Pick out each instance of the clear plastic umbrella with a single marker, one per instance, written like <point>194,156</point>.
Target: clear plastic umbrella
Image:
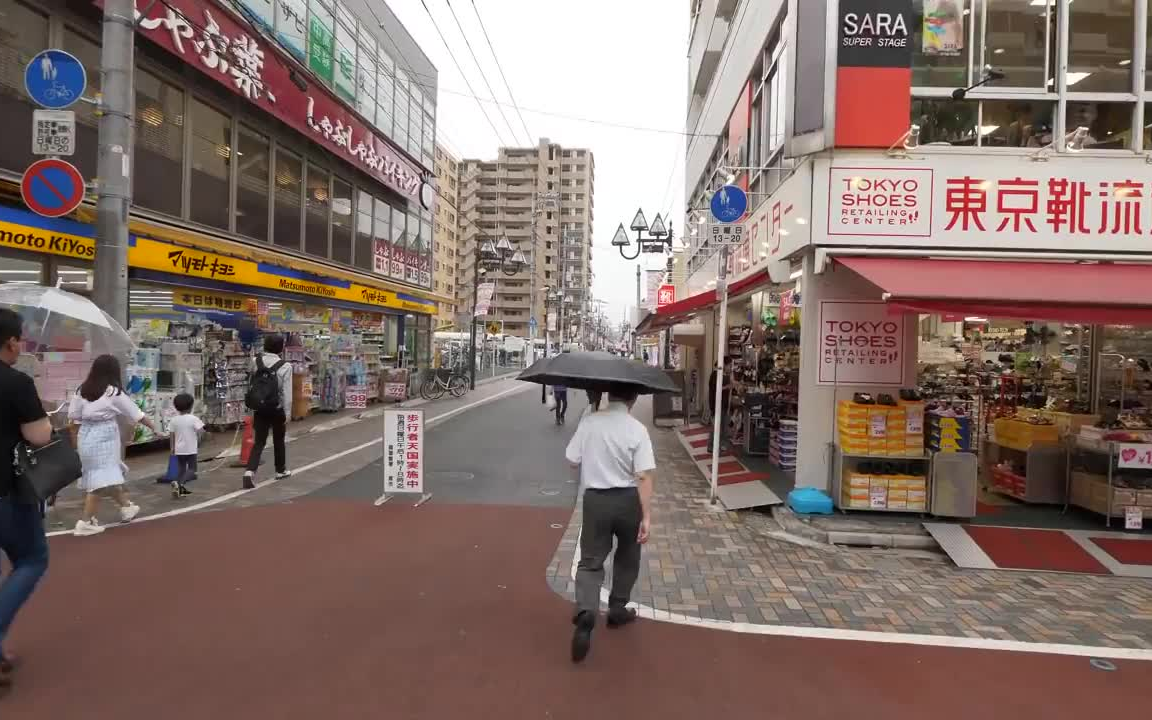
<point>59,321</point>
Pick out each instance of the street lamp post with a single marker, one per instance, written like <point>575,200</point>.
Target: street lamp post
<point>658,240</point>
<point>500,256</point>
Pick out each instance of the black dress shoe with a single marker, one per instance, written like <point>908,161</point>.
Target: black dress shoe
<point>619,617</point>
<point>582,636</point>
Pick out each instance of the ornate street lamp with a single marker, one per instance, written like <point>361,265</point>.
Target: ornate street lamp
<point>500,256</point>
<point>658,240</point>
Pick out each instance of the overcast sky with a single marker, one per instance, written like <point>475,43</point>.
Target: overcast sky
<point>612,61</point>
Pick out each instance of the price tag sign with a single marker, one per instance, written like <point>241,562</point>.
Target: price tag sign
<point>878,426</point>
<point>395,391</point>
<point>53,132</point>
<point>915,424</point>
<point>1133,518</point>
<point>355,397</point>
<point>878,497</point>
<point>1135,457</point>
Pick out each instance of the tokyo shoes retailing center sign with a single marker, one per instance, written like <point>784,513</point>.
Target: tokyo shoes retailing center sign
<point>1014,203</point>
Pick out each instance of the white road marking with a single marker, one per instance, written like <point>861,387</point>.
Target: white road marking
<point>875,636</point>
<point>429,424</point>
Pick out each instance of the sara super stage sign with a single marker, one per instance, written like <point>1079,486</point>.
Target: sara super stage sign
<point>964,202</point>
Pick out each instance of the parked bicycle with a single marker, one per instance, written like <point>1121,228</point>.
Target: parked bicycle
<point>434,387</point>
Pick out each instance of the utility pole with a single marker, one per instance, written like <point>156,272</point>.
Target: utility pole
<point>721,349</point>
<point>113,188</point>
<point>635,337</point>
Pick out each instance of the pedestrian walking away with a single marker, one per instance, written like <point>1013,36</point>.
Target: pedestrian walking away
<point>617,472</point>
<point>22,539</point>
<point>98,409</point>
<point>185,429</point>
<point>270,399</point>
<point>560,393</point>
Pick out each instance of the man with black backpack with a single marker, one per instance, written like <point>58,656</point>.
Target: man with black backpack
<point>269,398</point>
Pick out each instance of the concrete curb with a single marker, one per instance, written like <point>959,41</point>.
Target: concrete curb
<point>795,526</point>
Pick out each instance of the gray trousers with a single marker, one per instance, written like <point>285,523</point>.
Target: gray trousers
<point>608,514</point>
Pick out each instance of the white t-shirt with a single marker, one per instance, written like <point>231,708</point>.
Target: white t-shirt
<point>611,447</point>
<point>185,429</point>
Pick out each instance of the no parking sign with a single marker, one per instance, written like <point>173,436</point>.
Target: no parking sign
<point>52,187</point>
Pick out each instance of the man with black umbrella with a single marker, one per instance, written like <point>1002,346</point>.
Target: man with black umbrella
<point>617,471</point>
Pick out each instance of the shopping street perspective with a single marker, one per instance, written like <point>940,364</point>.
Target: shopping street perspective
<point>902,288</point>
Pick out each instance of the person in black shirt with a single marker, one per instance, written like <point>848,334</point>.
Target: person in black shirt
<point>22,538</point>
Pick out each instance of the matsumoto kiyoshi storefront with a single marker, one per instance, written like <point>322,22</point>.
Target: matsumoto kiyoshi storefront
<point>981,332</point>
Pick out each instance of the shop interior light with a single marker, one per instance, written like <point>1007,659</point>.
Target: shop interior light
<point>796,274</point>
<point>1075,77</point>
<point>21,272</point>
<point>801,221</point>
<point>988,129</point>
<point>1124,63</point>
<point>153,116</point>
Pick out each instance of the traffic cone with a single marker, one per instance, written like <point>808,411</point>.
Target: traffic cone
<point>247,440</point>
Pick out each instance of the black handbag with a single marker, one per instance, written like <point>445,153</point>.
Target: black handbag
<point>42,472</point>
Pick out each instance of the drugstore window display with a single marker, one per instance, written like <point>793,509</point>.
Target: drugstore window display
<point>763,342</point>
<point>200,342</point>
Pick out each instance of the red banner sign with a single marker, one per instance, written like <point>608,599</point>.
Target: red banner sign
<point>666,295</point>
<point>211,39</point>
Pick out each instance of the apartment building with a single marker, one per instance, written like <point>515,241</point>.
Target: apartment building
<point>540,199</point>
<point>446,236</point>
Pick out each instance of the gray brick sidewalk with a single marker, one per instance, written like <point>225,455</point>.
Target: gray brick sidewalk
<point>711,564</point>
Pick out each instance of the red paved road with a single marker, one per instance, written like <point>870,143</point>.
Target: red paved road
<point>337,610</point>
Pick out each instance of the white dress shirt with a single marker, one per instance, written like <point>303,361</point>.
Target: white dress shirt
<point>612,448</point>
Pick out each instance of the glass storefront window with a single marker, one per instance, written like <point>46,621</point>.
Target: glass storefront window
<point>21,268</point>
<point>252,190</point>
<point>317,204</point>
<point>286,227</point>
<point>1100,45</point>
<point>87,121</point>
<point>23,33</point>
<point>1016,123</point>
<point>381,233</point>
<point>363,247</point>
<point>211,163</point>
<point>384,86</point>
<point>158,162</point>
<point>341,221</point>
<point>399,228</point>
<point>1109,124</point>
<point>74,278</point>
<point>940,46</point>
<point>1019,39</point>
<point>945,122</point>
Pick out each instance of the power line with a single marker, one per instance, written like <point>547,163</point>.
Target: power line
<point>507,86</point>
<point>483,75</point>
<point>461,71</point>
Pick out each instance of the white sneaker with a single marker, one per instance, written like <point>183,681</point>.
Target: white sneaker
<point>129,512</point>
<point>284,475</point>
<point>87,527</point>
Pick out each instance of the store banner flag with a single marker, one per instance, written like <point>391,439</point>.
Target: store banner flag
<point>652,280</point>
<point>396,263</point>
<point>861,343</point>
<point>484,298</point>
<point>552,324</point>
<point>943,30</point>
<point>874,72</point>
<point>403,451</point>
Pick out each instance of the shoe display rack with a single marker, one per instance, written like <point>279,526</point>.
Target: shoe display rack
<point>878,462</point>
<point>227,370</point>
<point>782,450</point>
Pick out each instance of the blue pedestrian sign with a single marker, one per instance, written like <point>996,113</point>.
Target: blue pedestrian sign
<point>729,204</point>
<point>55,79</point>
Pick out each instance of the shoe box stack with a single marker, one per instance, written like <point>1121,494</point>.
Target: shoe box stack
<point>884,486</point>
<point>880,430</point>
<point>1020,434</point>
<point>949,432</point>
<point>782,447</point>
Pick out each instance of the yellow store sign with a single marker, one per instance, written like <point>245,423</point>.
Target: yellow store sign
<point>70,239</point>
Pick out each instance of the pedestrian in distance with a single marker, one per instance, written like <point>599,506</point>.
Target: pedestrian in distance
<point>22,538</point>
<point>560,394</point>
<point>97,409</point>
<point>617,471</point>
<point>269,398</point>
<point>185,430</point>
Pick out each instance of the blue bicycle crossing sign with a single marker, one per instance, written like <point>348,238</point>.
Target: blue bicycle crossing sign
<point>55,79</point>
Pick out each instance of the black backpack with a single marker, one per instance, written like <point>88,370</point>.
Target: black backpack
<point>264,392</point>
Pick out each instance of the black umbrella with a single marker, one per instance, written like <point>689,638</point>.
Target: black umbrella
<point>597,371</point>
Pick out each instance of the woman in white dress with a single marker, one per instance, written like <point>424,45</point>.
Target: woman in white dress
<point>98,408</point>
